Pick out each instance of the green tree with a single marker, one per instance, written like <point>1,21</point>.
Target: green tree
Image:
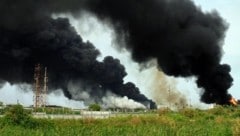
<point>94,107</point>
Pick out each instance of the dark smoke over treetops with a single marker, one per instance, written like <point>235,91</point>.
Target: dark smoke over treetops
<point>184,40</point>
<point>54,43</point>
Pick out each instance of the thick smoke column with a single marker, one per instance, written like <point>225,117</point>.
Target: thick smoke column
<point>28,35</point>
<point>184,40</point>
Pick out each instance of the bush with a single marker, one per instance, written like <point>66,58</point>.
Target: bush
<point>94,107</point>
<point>16,115</point>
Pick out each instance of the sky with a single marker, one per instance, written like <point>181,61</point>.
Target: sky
<point>102,36</point>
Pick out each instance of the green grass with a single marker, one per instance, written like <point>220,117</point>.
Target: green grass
<point>220,121</point>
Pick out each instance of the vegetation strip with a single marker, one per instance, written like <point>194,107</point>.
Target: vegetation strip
<point>219,121</point>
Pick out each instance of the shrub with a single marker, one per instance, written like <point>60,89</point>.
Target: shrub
<point>94,107</point>
<point>16,115</point>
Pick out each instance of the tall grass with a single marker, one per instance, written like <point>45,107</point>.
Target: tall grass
<point>221,121</point>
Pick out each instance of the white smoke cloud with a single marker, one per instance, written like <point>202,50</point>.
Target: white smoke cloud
<point>113,101</point>
<point>57,98</point>
<point>77,92</point>
<point>23,94</point>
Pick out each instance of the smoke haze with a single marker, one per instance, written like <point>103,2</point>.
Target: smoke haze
<point>163,90</point>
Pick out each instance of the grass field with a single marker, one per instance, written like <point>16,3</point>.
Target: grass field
<point>219,121</point>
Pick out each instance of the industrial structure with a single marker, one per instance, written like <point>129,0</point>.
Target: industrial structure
<point>40,87</point>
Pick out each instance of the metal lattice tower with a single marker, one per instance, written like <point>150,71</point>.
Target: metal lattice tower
<point>40,87</point>
<point>45,88</point>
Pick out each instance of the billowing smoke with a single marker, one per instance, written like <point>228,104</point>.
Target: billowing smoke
<point>112,101</point>
<point>184,40</point>
<point>164,91</point>
<point>28,35</point>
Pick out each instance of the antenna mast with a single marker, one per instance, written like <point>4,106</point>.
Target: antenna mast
<point>40,87</point>
<point>45,88</point>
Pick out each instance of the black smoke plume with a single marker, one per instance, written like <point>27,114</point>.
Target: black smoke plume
<point>184,40</point>
<point>28,35</point>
